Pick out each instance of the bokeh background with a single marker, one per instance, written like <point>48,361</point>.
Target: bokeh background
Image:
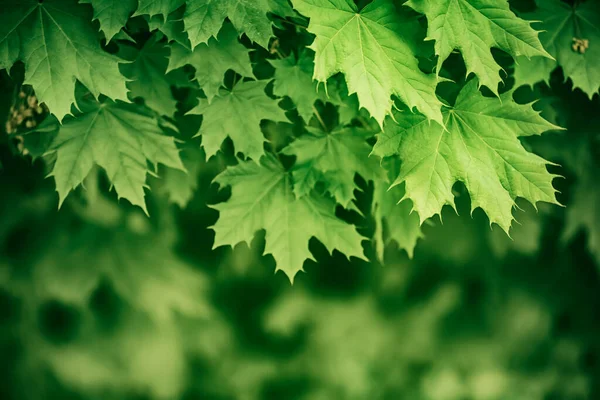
<point>100,302</point>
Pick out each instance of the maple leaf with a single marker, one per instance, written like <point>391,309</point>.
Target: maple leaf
<point>203,18</point>
<point>293,78</point>
<point>262,198</point>
<point>333,159</point>
<point>147,73</point>
<point>112,14</point>
<point>562,24</point>
<point>480,148</point>
<point>531,71</point>
<point>394,221</point>
<point>118,137</point>
<point>157,7</point>
<point>212,60</point>
<point>347,105</point>
<point>237,114</point>
<point>473,27</point>
<point>370,49</point>
<point>58,45</point>
<point>171,27</point>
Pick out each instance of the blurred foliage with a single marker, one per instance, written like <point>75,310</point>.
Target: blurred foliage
<point>97,301</point>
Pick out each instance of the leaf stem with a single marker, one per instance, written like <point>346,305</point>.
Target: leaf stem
<point>235,81</point>
<point>363,122</point>
<point>287,21</point>
<point>318,115</point>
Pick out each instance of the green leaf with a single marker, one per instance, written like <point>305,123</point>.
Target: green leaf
<point>347,105</point>
<point>147,73</point>
<point>112,14</point>
<point>58,44</point>
<point>172,28</point>
<point>119,137</point>
<point>370,49</point>
<point>394,221</point>
<point>262,198</point>
<point>479,148</point>
<point>237,114</point>
<point>179,186</point>
<point>293,78</point>
<point>473,27</point>
<point>157,7</point>
<point>531,71</point>
<point>333,159</point>
<point>212,60</point>
<point>561,23</point>
<point>203,18</point>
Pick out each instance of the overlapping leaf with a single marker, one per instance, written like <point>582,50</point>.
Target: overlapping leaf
<point>112,14</point>
<point>158,7</point>
<point>237,114</point>
<point>293,78</point>
<point>370,47</point>
<point>562,25</point>
<point>474,27</point>
<point>121,138</point>
<point>262,198</point>
<point>147,73</point>
<point>58,45</point>
<point>212,60</point>
<point>394,220</point>
<point>480,148</point>
<point>203,18</point>
<point>333,159</point>
<point>177,185</point>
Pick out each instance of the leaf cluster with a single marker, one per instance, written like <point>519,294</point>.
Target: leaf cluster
<point>304,100</point>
